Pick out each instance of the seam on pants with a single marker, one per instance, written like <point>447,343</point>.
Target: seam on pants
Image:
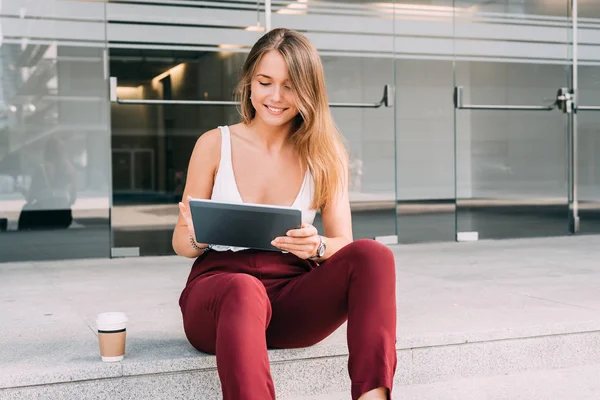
<point>257,268</point>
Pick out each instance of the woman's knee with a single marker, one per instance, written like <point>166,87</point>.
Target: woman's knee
<point>371,255</point>
<point>231,302</point>
<point>244,291</point>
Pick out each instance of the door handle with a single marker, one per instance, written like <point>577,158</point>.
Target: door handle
<point>387,100</point>
<point>588,108</point>
<point>459,104</point>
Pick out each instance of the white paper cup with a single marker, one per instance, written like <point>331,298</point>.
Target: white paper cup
<point>112,335</point>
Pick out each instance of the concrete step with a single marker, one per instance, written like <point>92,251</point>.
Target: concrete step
<point>317,370</point>
<point>580,383</point>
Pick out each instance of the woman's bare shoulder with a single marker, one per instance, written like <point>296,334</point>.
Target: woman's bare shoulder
<point>209,140</point>
<point>207,151</point>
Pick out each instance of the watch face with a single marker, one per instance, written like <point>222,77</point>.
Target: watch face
<point>321,249</point>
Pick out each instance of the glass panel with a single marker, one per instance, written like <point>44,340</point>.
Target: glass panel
<point>54,135</point>
<point>355,41</point>
<point>511,166</point>
<point>122,174</point>
<point>198,59</point>
<point>588,122</point>
<point>143,170</point>
<point>425,121</point>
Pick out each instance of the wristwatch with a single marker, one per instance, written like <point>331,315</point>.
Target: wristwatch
<point>320,250</point>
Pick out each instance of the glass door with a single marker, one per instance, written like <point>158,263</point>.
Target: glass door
<point>515,126</point>
<point>174,69</point>
<point>424,121</point>
<point>356,44</point>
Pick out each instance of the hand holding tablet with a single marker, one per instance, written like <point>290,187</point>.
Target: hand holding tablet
<point>304,242</point>
<point>252,226</point>
<point>187,217</point>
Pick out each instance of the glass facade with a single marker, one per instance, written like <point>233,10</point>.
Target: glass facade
<point>55,180</point>
<point>449,109</point>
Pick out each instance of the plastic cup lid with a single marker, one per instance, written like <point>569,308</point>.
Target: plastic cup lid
<point>111,318</point>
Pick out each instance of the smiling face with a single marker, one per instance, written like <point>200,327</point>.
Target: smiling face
<point>271,91</point>
<point>282,84</point>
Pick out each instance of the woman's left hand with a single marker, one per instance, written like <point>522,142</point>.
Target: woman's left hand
<point>302,242</point>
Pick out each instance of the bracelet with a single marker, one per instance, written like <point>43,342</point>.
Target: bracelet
<point>196,247</point>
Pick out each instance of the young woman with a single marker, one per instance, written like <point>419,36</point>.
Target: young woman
<point>238,302</point>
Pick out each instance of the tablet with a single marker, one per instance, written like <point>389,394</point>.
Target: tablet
<point>241,224</point>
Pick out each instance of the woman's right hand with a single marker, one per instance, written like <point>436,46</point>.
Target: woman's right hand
<point>187,216</point>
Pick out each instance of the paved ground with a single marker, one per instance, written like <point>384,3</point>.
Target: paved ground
<point>447,293</point>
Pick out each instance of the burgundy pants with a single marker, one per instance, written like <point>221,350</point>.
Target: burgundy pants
<point>238,304</point>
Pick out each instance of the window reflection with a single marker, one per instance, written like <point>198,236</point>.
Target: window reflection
<point>54,147</point>
<point>51,192</point>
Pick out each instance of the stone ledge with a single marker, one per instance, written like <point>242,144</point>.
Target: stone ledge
<point>328,374</point>
<point>417,364</point>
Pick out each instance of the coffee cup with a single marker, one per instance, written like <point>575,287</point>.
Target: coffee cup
<point>112,335</point>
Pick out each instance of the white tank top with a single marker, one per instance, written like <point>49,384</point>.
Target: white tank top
<point>225,187</point>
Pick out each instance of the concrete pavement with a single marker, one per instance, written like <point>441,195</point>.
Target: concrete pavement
<point>465,311</point>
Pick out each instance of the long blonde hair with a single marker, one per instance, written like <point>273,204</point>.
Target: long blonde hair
<point>314,133</point>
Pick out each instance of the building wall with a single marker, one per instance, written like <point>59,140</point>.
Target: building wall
<point>57,55</point>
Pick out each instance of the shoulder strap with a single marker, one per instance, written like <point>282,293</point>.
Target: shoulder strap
<point>225,146</point>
